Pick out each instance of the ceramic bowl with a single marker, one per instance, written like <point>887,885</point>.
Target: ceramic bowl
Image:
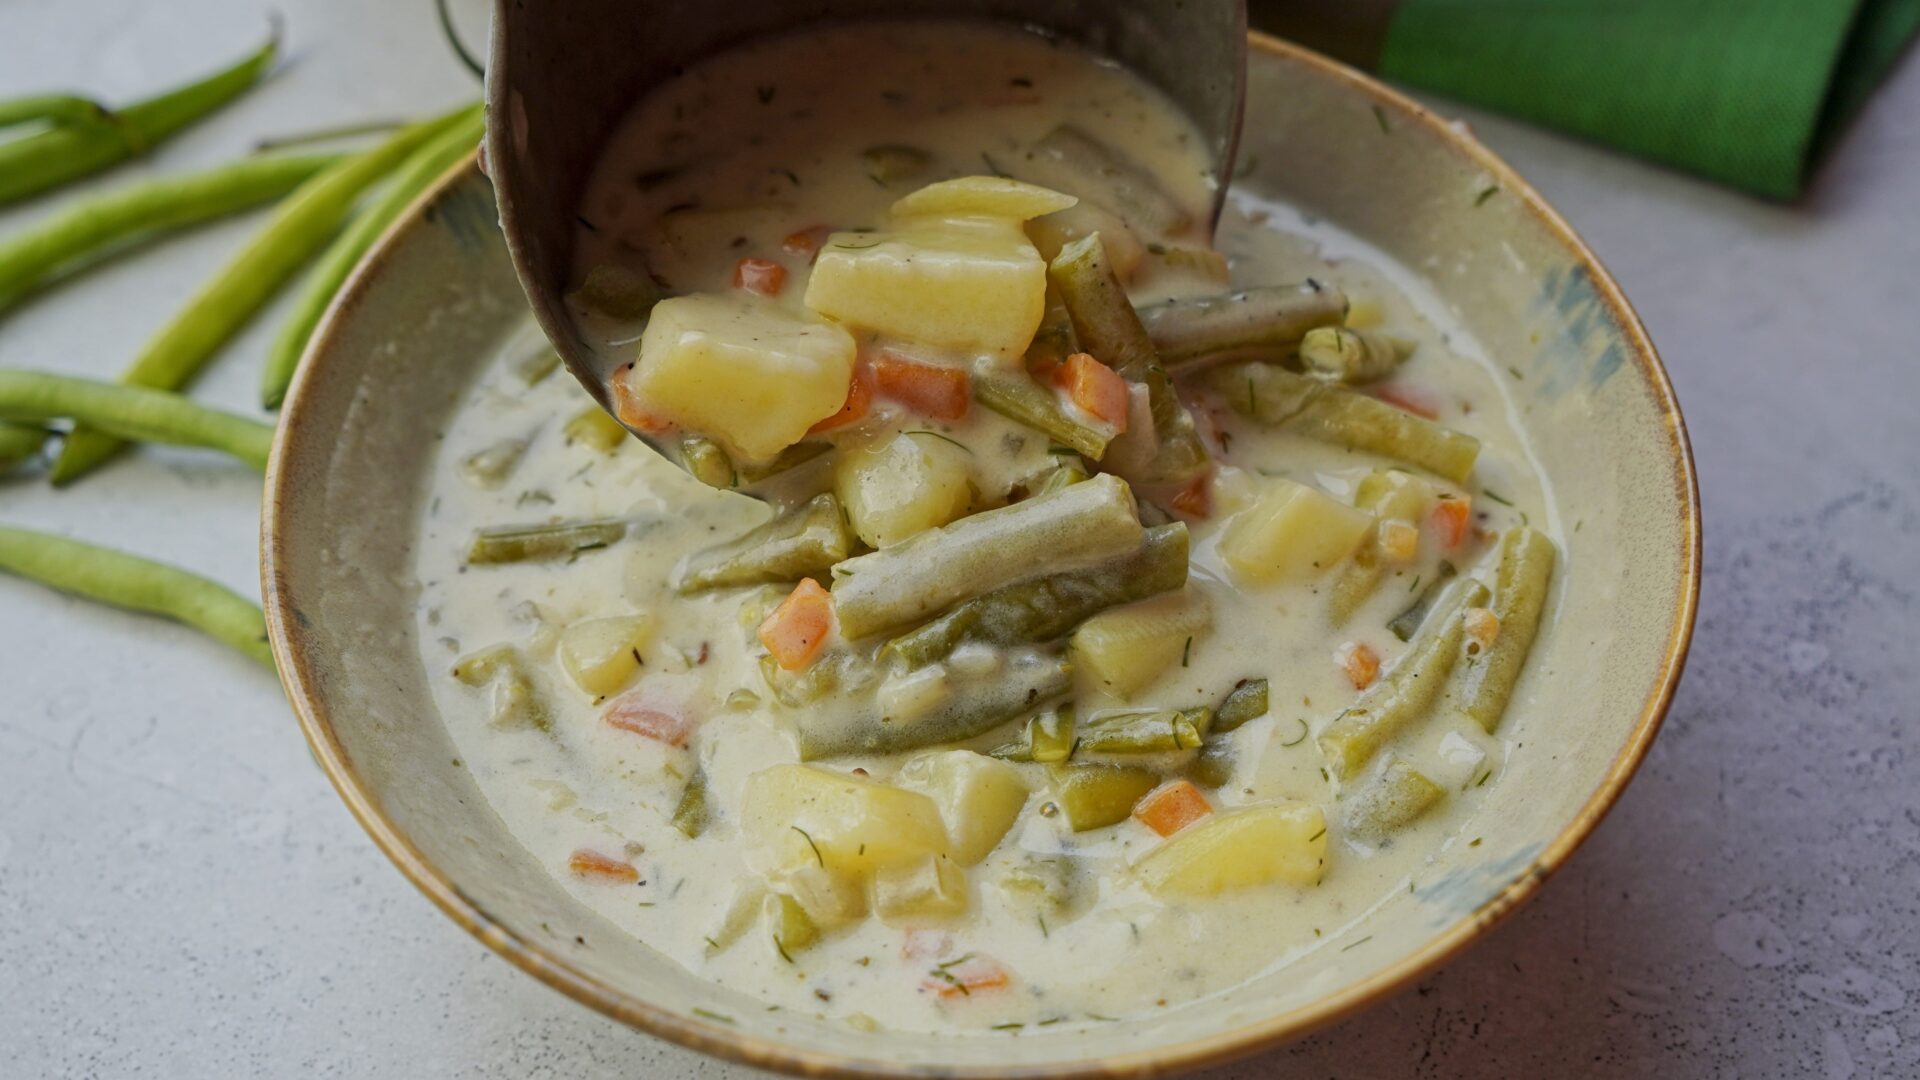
<point>345,491</point>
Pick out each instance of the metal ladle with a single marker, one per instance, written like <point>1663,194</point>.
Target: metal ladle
<point>564,72</point>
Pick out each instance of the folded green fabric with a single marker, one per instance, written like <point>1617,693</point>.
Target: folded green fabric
<point>1747,92</point>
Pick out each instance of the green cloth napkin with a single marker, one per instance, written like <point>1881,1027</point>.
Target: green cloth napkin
<point>1747,92</point>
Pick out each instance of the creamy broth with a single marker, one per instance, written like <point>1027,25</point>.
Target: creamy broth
<point>737,155</point>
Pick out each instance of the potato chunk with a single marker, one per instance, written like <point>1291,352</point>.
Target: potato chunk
<point>850,824</point>
<point>1255,846</point>
<point>1128,647</point>
<point>751,375</point>
<point>600,655</point>
<point>979,798</point>
<point>930,887</point>
<point>1291,531</point>
<point>913,482</point>
<point>981,289</point>
<point>980,196</point>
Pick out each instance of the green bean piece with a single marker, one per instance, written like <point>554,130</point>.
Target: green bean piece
<point>132,412</point>
<point>1043,881</point>
<point>618,292</point>
<point>1047,608</point>
<point>33,163</point>
<point>923,576</point>
<point>517,703</point>
<point>1070,160</point>
<point>1050,735</point>
<point>893,162</point>
<point>331,133</point>
<point>1520,594</point>
<point>1407,623</point>
<point>56,109</point>
<point>1213,765</point>
<point>18,442</point>
<point>300,226</point>
<point>534,367</point>
<point>490,466</point>
<point>1405,693</point>
<point>1397,797</point>
<point>1335,414</point>
<point>1271,319</point>
<point>979,706</point>
<point>537,543</point>
<point>425,164</point>
<point>806,540</point>
<point>1388,494</point>
<point>1019,398</point>
<point>1106,326</point>
<point>707,462</point>
<point>128,581</point>
<point>1053,341</point>
<point>1145,731</point>
<point>1352,356</point>
<point>1070,471</point>
<point>838,672</point>
<point>691,814</point>
<point>1247,700</point>
<point>91,229</point>
<point>595,427</point>
<point>1095,796</point>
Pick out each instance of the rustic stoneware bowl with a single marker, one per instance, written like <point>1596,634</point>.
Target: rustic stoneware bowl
<point>358,437</point>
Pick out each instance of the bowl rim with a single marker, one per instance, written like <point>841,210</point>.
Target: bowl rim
<point>725,1042</point>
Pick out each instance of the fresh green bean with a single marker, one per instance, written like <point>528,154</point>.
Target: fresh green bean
<point>1398,796</point>
<point>300,226</point>
<point>936,569</point>
<point>1520,594</point>
<point>692,813</point>
<point>1095,796</point>
<point>1352,356</point>
<point>1335,414</point>
<point>1145,731</point>
<point>55,109</point>
<point>89,230</point>
<point>45,159</point>
<point>1270,319</point>
<point>1047,608</point>
<point>1024,684</point>
<point>1248,700</point>
<point>1403,694</point>
<point>327,134</point>
<point>1024,401</point>
<point>18,442</point>
<point>808,539</point>
<point>534,543</point>
<point>132,412</point>
<point>127,581</point>
<point>1407,623</point>
<point>422,167</point>
<point>1070,160</point>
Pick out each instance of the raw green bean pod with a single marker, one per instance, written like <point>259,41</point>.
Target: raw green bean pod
<point>91,229</point>
<point>1271,319</point>
<point>127,581</point>
<point>1407,623</point>
<point>1352,356</point>
<point>45,159</point>
<point>132,412</point>
<point>56,109</point>
<point>18,442</point>
<point>535,543</point>
<point>1335,414</point>
<point>300,226</point>
<point>1486,681</point>
<point>805,540</point>
<point>421,168</point>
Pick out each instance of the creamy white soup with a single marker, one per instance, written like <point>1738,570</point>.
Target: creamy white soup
<point>1023,610</point>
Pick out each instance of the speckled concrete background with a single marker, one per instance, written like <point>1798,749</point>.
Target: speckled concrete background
<point>182,895</point>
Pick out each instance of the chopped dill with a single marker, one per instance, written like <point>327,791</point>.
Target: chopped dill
<point>1302,737</point>
<point>722,1018</point>
<point>1380,117</point>
<point>1486,193</point>
<point>811,844</point>
<point>1496,496</point>
<point>1356,944</point>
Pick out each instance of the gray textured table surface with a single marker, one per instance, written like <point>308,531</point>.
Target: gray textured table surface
<point>182,895</point>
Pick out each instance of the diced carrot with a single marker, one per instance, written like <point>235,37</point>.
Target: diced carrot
<point>928,389</point>
<point>859,402</point>
<point>605,869</point>
<point>797,629</point>
<point>1450,518</point>
<point>763,276</point>
<point>1171,807</point>
<point>1399,541</point>
<point>1360,662</point>
<point>627,408</point>
<point>966,977</point>
<point>923,944</point>
<point>643,711</point>
<point>1406,397</point>
<point>1196,499</point>
<point>807,241</point>
<point>1096,388</point>
<point>1481,625</point>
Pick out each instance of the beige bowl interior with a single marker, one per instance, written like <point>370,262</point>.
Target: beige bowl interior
<point>351,468</point>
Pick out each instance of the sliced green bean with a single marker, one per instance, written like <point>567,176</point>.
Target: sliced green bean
<point>1389,495</point>
<point>516,701</point>
<point>892,162</point>
<point>1520,594</point>
<point>1047,608</point>
<point>1405,693</point>
<point>1352,356</point>
<point>300,226</point>
<point>1271,319</point>
<point>1213,765</point>
<point>127,581</point>
<point>1145,731</point>
<point>46,159</point>
<point>1407,623</point>
<point>1070,160</point>
<point>707,462</point>
<point>1024,684</point>
<point>1024,401</point>
<point>1095,796</point>
<point>1050,735</point>
<point>805,540</point>
<point>1248,700</point>
<point>1335,414</point>
<point>425,164</point>
<point>1068,472</point>
<point>535,543</point>
<point>923,576</point>
<point>92,229</point>
<point>132,412</point>
<point>1397,797</point>
<point>691,814</point>
<point>56,109</point>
